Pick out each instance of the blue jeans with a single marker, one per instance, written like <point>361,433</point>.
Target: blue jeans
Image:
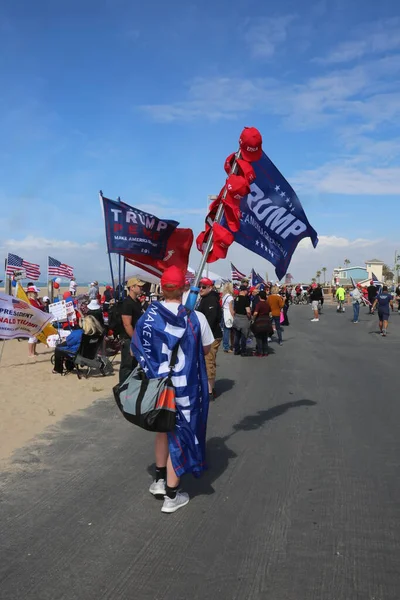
<point>226,336</point>
<point>277,321</point>
<point>356,309</point>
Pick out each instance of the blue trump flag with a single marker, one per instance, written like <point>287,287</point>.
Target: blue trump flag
<point>129,229</point>
<point>273,221</point>
<point>256,279</point>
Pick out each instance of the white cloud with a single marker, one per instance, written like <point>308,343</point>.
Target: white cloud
<point>264,36</point>
<point>349,180</point>
<point>371,38</point>
<point>33,243</point>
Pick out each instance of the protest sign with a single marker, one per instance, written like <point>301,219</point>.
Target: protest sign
<point>20,319</point>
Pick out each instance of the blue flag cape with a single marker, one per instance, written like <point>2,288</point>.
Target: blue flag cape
<point>156,333</point>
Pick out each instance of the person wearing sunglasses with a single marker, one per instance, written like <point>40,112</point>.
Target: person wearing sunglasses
<point>210,306</point>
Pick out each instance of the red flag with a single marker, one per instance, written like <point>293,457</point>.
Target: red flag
<point>177,253</point>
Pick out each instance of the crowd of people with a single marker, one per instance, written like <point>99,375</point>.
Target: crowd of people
<point>230,317</point>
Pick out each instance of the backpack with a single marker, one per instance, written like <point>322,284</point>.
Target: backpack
<point>115,318</point>
<point>149,403</point>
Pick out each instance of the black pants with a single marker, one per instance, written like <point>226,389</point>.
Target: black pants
<point>262,343</point>
<point>128,362</point>
<point>285,312</point>
<point>240,342</point>
<point>61,355</point>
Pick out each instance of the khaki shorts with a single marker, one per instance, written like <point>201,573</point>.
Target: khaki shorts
<point>211,359</point>
<point>314,305</point>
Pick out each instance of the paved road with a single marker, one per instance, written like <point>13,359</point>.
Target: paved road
<point>301,501</point>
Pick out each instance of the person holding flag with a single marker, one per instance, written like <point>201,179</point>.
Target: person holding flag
<point>156,333</point>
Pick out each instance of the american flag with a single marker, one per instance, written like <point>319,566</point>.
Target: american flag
<point>236,275</point>
<point>58,269</point>
<point>16,263</point>
<point>190,276</point>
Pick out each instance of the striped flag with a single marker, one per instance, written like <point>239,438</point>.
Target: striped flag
<point>236,275</point>
<point>58,269</point>
<point>16,263</point>
<point>190,276</point>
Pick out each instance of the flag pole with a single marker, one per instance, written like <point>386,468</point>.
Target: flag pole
<point>119,267</point>
<point>109,254</point>
<point>194,290</point>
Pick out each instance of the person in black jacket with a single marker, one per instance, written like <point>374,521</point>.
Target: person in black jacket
<point>315,297</point>
<point>210,306</point>
<point>372,294</point>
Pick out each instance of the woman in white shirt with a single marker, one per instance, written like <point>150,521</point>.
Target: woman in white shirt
<point>227,318</point>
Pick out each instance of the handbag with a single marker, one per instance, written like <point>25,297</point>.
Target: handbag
<point>149,403</point>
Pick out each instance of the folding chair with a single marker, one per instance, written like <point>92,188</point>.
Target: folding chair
<point>87,355</point>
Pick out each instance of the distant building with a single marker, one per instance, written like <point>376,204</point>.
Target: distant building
<point>375,268</point>
<point>343,275</point>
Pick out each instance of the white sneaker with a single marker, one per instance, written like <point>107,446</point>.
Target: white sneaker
<point>171,505</point>
<point>157,488</point>
<point>314,320</point>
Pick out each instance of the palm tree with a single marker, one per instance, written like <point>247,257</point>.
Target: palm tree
<point>313,280</point>
<point>347,262</point>
<point>324,270</point>
<point>318,275</point>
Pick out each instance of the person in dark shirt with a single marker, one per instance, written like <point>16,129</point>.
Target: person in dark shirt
<point>315,297</point>
<point>210,306</point>
<point>241,320</point>
<point>262,324</point>
<point>372,293</point>
<point>384,301</point>
<point>131,312</point>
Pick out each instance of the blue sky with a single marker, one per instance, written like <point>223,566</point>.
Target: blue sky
<point>146,101</point>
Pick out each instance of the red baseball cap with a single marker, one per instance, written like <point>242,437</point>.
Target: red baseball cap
<point>237,187</point>
<point>202,238</point>
<point>247,171</point>
<point>232,213</point>
<point>173,277</point>
<point>250,143</point>
<point>228,163</point>
<point>222,239</point>
<point>206,281</point>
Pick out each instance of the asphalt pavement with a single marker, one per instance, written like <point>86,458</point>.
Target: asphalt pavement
<point>300,502</point>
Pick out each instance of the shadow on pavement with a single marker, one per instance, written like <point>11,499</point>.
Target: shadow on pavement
<point>224,385</point>
<point>219,454</point>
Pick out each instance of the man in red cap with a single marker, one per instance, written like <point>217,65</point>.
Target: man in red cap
<point>211,308</point>
<point>182,450</point>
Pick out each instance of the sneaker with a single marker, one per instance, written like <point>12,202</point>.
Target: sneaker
<point>384,333</point>
<point>281,343</point>
<point>314,320</point>
<point>157,488</point>
<point>269,339</point>
<point>258,354</point>
<point>171,505</point>
<point>355,321</point>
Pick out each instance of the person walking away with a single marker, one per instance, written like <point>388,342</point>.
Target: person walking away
<point>241,320</point>
<point>285,293</point>
<point>210,306</point>
<point>384,301</point>
<point>340,296</point>
<point>276,303</point>
<point>397,292</point>
<point>315,297</point>
<point>227,317</point>
<point>72,286</point>
<point>93,291</point>
<point>262,324</point>
<point>356,299</point>
<point>183,449</point>
<point>372,293</point>
<point>131,311</point>
<point>32,292</point>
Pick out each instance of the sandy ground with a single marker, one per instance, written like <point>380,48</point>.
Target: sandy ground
<point>31,397</point>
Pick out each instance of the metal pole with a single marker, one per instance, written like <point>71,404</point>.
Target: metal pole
<point>210,199</point>
<point>109,254</point>
<point>194,290</point>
